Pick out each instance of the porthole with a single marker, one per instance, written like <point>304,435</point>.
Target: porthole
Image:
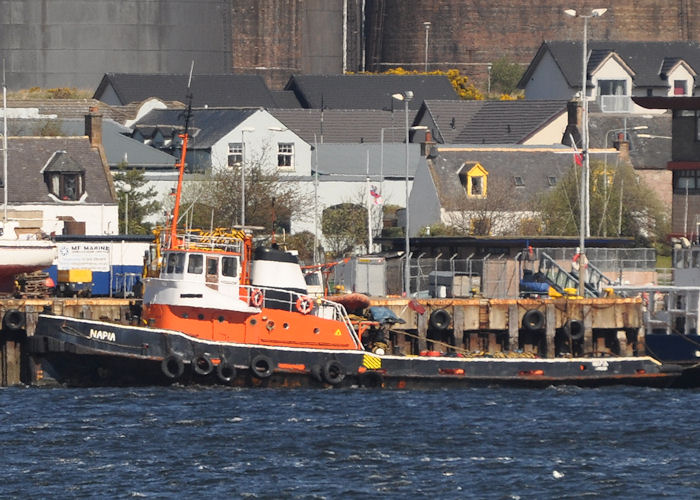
<point>253,321</point>
<point>285,326</point>
<point>317,331</point>
<point>200,316</point>
<point>221,319</point>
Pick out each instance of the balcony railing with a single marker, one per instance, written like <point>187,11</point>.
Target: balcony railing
<point>615,103</point>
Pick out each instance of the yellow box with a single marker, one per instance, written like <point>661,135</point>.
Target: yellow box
<point>75,276</point>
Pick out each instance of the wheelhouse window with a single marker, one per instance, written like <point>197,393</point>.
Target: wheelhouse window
<point>195,265</point>
<point>285,155</point>
<point>235,154</point>
<point>229,267</point>
<point>176,263</point>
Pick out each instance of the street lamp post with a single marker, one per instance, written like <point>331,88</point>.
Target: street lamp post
<point>243,131</point>
<point>605,174</point>
<point>126,189</point>
<point>405,97</point>
<point>584,216</point>
<point>427,30</point>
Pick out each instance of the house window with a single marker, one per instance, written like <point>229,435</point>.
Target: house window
<point>612,87</point>
<point>680,87</point>
<point>64,177</point>
<point>551,180</point>
<point>285,155</point>
<point>473,178</point>
<point>685,180</point>
<point>518,180</point>
<point>235,154</point>
<point>66,186</point>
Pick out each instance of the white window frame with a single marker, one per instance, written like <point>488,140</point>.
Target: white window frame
<point>235,154</point>
<point>285,155</point>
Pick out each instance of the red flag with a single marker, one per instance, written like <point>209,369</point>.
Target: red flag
<point>578,157</point>
<point>374,192</point>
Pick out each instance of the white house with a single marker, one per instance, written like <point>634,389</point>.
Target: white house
<point>615,72</point>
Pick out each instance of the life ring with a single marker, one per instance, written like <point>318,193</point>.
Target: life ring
<point>256,298</point>
<point>439,319</point>
<point>573,329</point>
<point>225,371</point>
<point>13,320</point>
<point>261,366</point>
<point>202,365</point>
<point>333,372</point>
<point>304,304</point>
<point>172,366</point>
<point>533,320</point>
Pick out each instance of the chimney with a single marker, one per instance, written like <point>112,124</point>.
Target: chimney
<point>572,134</point>
<point>93,126</point>
<point>428,144</point>
<point>623,146</point>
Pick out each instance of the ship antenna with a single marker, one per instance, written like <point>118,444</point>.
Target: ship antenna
<point>181,164</point>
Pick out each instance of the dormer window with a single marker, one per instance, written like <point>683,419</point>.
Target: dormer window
<point>474,179</point>
<point>680,87</point>
<point>64,177</point>
<point>519,181</point>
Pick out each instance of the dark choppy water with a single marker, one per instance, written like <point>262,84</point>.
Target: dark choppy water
<point>481,443</point>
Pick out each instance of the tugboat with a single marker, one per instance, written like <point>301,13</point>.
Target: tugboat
<point>219,312</point>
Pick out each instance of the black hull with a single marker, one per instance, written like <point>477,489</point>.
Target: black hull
<point>75,352</point>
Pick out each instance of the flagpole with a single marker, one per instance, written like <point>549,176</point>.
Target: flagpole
<point>369,211</point>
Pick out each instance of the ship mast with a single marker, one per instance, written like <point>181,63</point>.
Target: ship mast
<point>4,143</point>
<point>181,164</point>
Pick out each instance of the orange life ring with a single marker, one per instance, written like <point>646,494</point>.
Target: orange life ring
<point>304,304</point>
<point>256,298</point>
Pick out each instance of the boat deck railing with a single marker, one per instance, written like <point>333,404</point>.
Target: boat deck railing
<point>288,300</point>
<point>217,240</point>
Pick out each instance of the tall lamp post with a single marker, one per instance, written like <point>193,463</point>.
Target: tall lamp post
<point>243,131</point>
<point>405,97</point>
<point>427,30</point>
<point>126,189</point>
<point>584,217</point>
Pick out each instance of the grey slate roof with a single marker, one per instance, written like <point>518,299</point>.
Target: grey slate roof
<point>368,91</point>
<point>69,108</point>
<point>207,125</point>
<point>349,161</point>
<point>207,90</point>
<point>533,165</point>
<point>121,148</point>
<point>645,153</point>
<point>345,125</point>
<point>28,155</point>
<point>646,59</point>
<point>488,122</point>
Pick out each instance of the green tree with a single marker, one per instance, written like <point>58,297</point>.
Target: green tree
<point>270,202</point>
<point>344,226</point>
<point>303,243</point>
<point>620,205</point>
<point>142,202</point>
<point>505,76</point>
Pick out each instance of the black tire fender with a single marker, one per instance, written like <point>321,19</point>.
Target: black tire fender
<point>225,372</point>
<point>261,366</point>
<point>202,365</point>
<point>172,367</point>
<point>439,319</point>
<point>533,320</point>
<point>372,379</point>
<point>573,329</point>
<point>333,372</point>
<point>13,320</point>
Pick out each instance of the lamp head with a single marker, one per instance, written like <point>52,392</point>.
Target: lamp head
<point>570,12</point>
<point>598,12</point>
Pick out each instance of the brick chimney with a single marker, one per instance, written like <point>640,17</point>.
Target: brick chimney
<point>574,113</point>
<point>623,146</point>
<point>93,126</point>
<point>428,145</point>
